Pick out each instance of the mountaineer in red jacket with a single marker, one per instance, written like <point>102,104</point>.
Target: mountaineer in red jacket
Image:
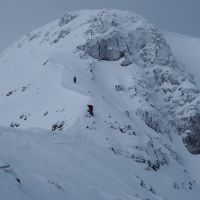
<point>90,109</point>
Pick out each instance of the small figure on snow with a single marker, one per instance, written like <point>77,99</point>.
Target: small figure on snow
<point>18,180</point>
<point>75,79</point>
<point>90,110</point>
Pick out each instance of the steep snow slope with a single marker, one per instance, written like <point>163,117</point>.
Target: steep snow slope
<point>29,88</point>
<point>60,166</point>
<point>142,97</point>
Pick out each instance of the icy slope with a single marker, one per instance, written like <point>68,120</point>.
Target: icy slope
<point>143,100</point>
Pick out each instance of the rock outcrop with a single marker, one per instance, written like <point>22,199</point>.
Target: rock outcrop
<point>113,37</point>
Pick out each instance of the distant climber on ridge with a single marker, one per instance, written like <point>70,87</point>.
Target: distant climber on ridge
<point>75,79</point>
<point>90,110</point>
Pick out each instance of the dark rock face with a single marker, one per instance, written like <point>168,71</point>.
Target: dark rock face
<point>68,17</point>
<point>192,132</point>
<point>192,143</point>
<point>194,123</point>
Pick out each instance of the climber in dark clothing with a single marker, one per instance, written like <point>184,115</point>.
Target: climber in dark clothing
<point>90,110</point>
<point>74,79</point>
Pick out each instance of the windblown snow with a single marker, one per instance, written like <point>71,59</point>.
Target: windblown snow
<point>142,141</point>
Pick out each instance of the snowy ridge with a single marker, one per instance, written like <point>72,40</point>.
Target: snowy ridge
<point>130,148</point>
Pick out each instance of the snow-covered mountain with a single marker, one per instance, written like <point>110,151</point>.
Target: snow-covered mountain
<point>140,142</point>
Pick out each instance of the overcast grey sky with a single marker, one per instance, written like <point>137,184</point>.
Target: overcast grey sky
<point>18,17</point>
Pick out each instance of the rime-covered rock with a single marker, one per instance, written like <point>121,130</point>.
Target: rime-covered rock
<point>114,35</point>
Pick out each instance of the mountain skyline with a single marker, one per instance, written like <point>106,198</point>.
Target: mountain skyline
<point>18,18</point>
